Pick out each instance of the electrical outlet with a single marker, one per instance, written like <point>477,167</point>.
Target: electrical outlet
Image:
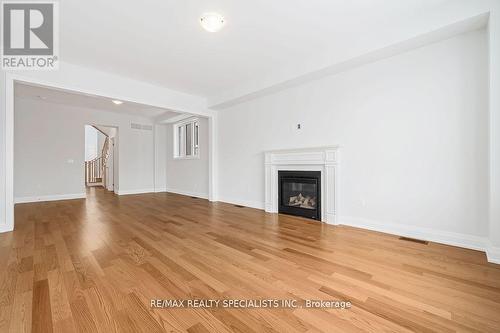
<point>299,126</point>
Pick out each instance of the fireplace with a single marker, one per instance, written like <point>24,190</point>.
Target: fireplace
<point>323,160</point>
<point>299,193</point>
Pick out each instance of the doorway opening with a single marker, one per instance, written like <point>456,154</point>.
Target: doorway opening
<point>101,162</point>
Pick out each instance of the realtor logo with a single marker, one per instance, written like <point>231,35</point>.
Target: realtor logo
<point>30,35</point>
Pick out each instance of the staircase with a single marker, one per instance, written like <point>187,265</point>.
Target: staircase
<point>95,170</point>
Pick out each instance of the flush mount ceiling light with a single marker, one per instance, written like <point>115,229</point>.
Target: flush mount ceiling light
<point>117,102</point>
<point>212,22</point>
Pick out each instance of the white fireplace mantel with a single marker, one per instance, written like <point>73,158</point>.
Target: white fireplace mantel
<point>324,159</point>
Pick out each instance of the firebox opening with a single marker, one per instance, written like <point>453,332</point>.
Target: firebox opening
<point>300,193</point>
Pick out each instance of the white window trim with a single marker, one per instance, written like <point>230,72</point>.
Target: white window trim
<point>176,127</point>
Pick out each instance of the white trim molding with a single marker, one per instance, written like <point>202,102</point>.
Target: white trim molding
<point>187,193</point>
<point>9,153</point>
<point>6,228</point>
<point>493,253</point>
<point>324,159</point>
<point>432,235</point>
<point>428,234</point>
<point>55,197</point>
<point>138,191</point>
<point>241,202</point>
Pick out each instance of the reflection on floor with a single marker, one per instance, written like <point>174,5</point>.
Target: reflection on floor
<point>96,264</point>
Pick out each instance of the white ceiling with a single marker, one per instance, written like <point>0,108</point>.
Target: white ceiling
<point>263,41</point>
<point>91,102</point>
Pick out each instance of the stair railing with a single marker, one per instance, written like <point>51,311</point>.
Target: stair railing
<point>93,170</point>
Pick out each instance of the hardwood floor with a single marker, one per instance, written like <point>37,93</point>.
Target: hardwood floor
<point>95,265</point>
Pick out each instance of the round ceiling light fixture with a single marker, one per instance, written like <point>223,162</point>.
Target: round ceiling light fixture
<point>212,22</point>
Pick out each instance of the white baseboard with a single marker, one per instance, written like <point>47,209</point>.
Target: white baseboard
<point>160,189</point>
<point>432,235</point>
<point>428,234</point>
<point>246,203</point>
<point>5,228</point>
<point>331,218</point>
<point>56,197</point>
<point>493,253</point>
<point>139,191</point>
<point>188,193</point>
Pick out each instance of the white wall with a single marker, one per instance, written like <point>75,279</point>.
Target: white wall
<point>413,131</point>
<point>90,143</point>
<point>188,176</point>
<point>48,136</point>
<point>109,131</point>
<point>101,138</point>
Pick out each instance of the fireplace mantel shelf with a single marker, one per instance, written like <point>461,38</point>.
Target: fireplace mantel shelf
<point>324,159</point>
<point>298,150</point>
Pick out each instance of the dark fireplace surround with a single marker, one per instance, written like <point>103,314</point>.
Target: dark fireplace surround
<point>299,193</point>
